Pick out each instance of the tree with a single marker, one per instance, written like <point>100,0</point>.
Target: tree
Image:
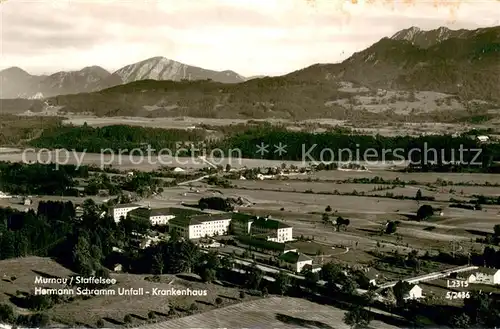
<point>369,297</point>
<point>460,321</point>
<point>325,218</point>
<point>193,307</point>
<point>413,260</point>
<point>7,314</point>
<point>357,318</point>
<point>346,223</point>
<point>342,222</point>
<point>331,272</point>
<point>189,254</point>
<point>482,309</point>
<point>208,274</point>
<point>174,235</point>
<point>424,212</point>
<point>39,320</point>
<point>216,203</point>
<point>282,282</point>
<point>311,278</point>
<point>227,262</point>
<point>401,290</point>
<point>349,286</point>
<point>391,227</point>
<point>361,279</point>
<point>496,229</point>
<point>39,302</point>
<point>418,195</point>
<point>158,264</point>
<point>212,260</point>
<point>254,277</point>
<point>82,257</point>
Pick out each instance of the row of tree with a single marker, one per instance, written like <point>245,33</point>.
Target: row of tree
<point>320,146</point>
<point>21,178</point>
<point>52,179</point>
<point>117,137</point>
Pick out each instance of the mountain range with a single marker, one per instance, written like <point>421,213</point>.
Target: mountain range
<point>17,83</point>
<point>461,63</point>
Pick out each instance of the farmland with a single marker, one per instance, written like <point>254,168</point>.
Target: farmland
<point>275,312</point>
<point>368,199</point>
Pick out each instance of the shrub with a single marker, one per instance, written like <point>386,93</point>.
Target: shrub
<point>6,314</point>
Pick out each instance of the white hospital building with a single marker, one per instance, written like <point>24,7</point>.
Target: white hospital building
<point>121,210</point>
<point>199,226</point>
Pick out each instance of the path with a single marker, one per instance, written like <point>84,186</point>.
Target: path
<point>193,181</point>
<point>430,276</point>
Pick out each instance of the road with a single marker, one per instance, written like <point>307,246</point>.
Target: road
<point>262,267</point>
<point>416,279</point>
<point>193,181</point>
<point>430,276</point>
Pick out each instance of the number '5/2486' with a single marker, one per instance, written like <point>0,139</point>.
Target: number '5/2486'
<point>457,294</point>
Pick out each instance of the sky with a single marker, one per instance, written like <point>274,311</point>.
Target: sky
<point>251,37</point>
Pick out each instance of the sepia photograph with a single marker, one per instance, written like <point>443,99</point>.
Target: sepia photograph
<point>250,164</point>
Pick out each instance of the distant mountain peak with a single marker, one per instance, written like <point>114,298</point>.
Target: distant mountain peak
<point>13,68</point>
<point>426,39</point>
<point>162,68</point>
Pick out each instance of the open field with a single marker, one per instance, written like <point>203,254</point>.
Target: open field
<point>111,308</point>
<point>367,217</point>
<point>317,125</point>
<point>440,193</point>
<point>274,312</point>
<point>429,177</point>
<point>145,163</point>
<point>166,123</point>
<point>135,162</point>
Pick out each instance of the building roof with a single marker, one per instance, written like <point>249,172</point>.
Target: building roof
<point>125,205</point>
<point>264,244</point>
<point>242,217</point>
<point>413,287</point>
<point>185,221</point>
<point>487,270</point>
<point>482,270</point>
<point>148,212</point>
<point>265,235</point>
<point>211,217</point>
<point>269,223</point>
<point>294,257</point>
<point>371,274</point>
